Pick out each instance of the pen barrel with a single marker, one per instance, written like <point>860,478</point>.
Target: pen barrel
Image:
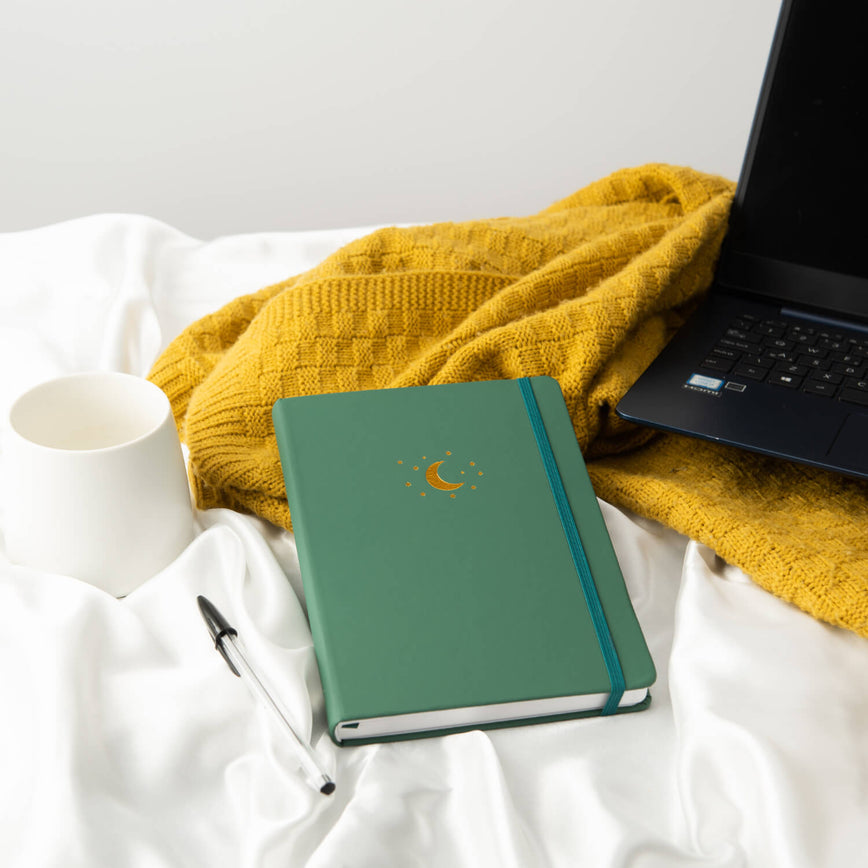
<point>311,766</point>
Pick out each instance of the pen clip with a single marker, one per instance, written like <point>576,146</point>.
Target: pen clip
<point>218,627</point>
<point>218,644</point>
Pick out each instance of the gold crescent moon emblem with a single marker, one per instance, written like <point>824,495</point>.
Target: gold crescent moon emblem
<point>434,480</point>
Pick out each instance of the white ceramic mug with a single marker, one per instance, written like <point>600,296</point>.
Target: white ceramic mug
<point>95,483</point>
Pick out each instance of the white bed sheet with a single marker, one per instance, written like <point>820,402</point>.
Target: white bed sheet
<point>125,741</point>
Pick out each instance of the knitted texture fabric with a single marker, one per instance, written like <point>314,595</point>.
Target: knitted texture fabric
<point>587,291</point>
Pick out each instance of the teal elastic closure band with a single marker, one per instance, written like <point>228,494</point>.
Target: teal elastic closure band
<point>589,589</point>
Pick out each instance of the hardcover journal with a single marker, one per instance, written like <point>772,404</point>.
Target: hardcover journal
<point>457,570</point>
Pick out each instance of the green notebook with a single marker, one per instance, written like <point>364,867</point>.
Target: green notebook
<point>443,590</point>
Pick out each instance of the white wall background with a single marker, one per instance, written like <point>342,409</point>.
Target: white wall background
<point>222,116</point>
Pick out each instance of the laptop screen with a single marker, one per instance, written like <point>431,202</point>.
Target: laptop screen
<point>802,202</point>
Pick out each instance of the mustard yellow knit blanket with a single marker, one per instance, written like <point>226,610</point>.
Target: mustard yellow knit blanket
<point>587,291</point>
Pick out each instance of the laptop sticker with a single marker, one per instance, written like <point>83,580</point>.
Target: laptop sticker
<point>700,381</point>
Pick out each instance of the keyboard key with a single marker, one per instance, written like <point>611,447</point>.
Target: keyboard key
<point>790,368</point>
<point>715,363</point>
<point>848,370</point>
<point>818,352</point>
<point>726,352</point>
<point>744,346</point>
<point>778,344</point>
<point>780,355</point>
<point>790,381</point>
<point>818,387</point>
<point>742,335</point>
<point>750,371</point>
<point>801,338</point>
<point>855,396</point>
<point>757,361</point>
<point>827,377</point>
<point>813,364</point>
<point>771,330</point>
<point>848,358</point>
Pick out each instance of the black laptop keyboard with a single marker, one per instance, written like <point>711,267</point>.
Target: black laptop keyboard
<point>819,360</point>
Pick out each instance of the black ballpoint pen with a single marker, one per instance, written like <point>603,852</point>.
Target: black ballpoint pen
<point>226,641</point>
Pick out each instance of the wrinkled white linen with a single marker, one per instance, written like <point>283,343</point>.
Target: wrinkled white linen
<point>125,741</point>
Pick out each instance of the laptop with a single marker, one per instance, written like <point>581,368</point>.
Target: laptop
<point>775,359</point>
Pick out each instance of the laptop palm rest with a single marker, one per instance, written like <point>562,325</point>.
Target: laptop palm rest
<point>850,448</point>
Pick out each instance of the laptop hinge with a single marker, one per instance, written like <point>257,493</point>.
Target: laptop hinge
<point>824,320</point>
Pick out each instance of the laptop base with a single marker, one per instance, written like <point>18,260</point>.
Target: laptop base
<point>678,394</point>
